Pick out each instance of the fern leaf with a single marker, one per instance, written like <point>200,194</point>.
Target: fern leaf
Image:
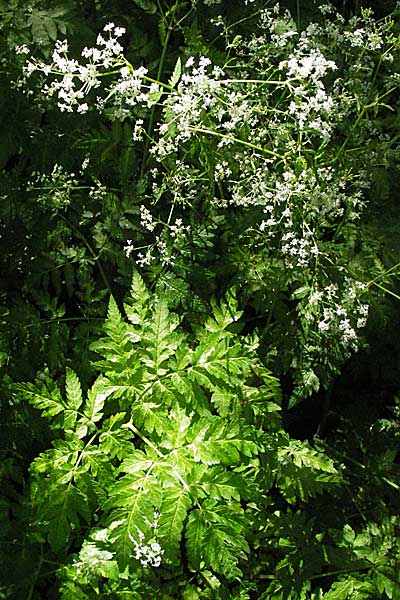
<point>115,440</point>
<point>137,306</point>
<point>160,341</point>
<point>176,73</point>
<point>214,441</point>
<point>45,396</point>
<point>114,326</point>
<point>173,512</point>
<point>302,471</point>
<point>133,500</point>
<point>195,534</point>
<point>58,503</point>
<point>94,405</point>
<point>224,314</point>
<point>218,483</point>
<point>150,415</point>
<point>67,503</point>
<point>73,389</point>
<point>214,535</point>
<point>74,398</point>
<point>117,347</point>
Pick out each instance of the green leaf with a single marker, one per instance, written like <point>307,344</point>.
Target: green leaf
<point>51,28</point>
<point>218,483</point>
<point>46,396</point>
<point>173,512</point>
<point>195,533</point>
<point>137,306</point>
<point>96,397</point>
<point>149,6</point>
<point>133,500</point>
<point>176,75</point>
<point>215,441</point>
<point>160,340</point>
<point>214,535</point>
<point>115,440</point>
<point>73,389</point>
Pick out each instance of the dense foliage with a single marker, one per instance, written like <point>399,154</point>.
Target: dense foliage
<point>201,245</point>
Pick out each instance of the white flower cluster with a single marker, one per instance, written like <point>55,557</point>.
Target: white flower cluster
<point>72,82</point>
<point>146,219</point>
<point>54,189</point>
<point>98,191</point>
<point>262,140</point>
<point>296,208</point>
<point>185,106</point>
<point>342,312</point>
<point>149,555</point>
<point>311,106</point>
<point>130,91</point>
<point>311,66</point>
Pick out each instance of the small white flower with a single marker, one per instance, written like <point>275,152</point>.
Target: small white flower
<point>22,49</point>
<point>83,108</point>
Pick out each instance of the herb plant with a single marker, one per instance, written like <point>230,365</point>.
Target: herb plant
<point>228,429</point>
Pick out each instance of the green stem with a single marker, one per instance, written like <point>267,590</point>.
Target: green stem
<point>92,253</point>
<point>364,109</point>
<point>236,140</point>
<point>348,490</point>
<point>153,110</point>
<point>383,275</point>
<point>298,14</point>
<point>387,291</point>
<point>63,320</point>
<point>82,454</point>
<point>35,575</point>
<point>337,572</point>
<point>320,575</point>
<point>346,141</point>
<point>143,438</point>
<point>260,81</point>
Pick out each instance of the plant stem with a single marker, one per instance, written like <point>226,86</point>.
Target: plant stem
<point>35,575</point>
<point>91,251</point>
<point>381,287</point>
<point>237,140</point>
<point>143,438</point>
<point>153,110</point>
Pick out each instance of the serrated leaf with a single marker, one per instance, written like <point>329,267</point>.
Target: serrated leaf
<point>173,512</point>
<point>96,397</point>
<point>214,535</point>
<point>195,534</point>
<point>137,307</point>
<point>214,441</point>
<point>224,314</point>
<point>149,6</point>
<point>176,75</point>
<point>115,440</point>
<point>45,396</point>
<point>51,28</point>
<point>160,340</point>
<point>62,511</point>
<point>151,416</point>
<point>138,461</point>
<point>132,501</point>
<point>59,533</point>
<point>73,389</point>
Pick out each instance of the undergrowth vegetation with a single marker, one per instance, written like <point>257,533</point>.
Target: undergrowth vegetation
<point>199,301</point>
